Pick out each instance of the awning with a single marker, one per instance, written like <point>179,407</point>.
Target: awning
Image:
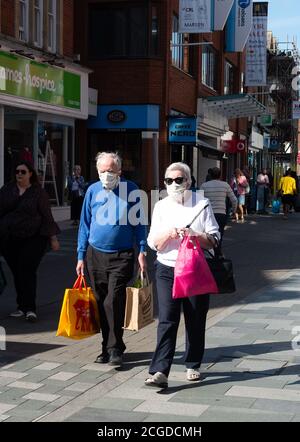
<point>236,106</point>
<point>209,151</point>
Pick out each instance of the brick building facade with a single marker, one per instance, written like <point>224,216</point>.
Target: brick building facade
<point>43,91</point>
<point>140,73</point>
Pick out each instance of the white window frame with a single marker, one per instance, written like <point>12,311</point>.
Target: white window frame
<point>39,40</point>
<point>228,69</point>
<point>52,15</point>
<point>209,68</point>
<point>24,29</point>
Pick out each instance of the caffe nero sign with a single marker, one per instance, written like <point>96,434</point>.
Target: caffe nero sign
<point>182,130</point>
<point>38,81</point>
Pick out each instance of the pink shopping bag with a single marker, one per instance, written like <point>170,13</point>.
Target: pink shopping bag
<point>192,275</point>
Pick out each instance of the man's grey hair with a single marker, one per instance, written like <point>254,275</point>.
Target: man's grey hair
<point>184,169</point>
<point>101,155</point>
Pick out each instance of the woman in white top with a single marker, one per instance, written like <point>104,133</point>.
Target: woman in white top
<point>170,216</point>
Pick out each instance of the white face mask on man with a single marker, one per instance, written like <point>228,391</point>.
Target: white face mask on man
<point>109,180</point>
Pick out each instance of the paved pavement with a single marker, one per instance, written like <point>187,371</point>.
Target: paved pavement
<point>250,369</point>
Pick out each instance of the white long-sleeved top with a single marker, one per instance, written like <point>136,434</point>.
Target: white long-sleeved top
<point>168,214</point>
<point>217,191</point>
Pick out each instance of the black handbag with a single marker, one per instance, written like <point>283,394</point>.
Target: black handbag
<point>222,270</point>
<point>3,281</point>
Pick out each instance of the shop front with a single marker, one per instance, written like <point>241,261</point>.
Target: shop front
<point>182,140</point>
<point>132,131</point>
<point>214,114</point>
<point>38,107</point>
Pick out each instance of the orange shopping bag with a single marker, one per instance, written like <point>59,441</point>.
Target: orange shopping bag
<point>79,317</point>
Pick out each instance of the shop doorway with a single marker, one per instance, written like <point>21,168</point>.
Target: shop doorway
<point>127,144</point>
<point>18,140</point>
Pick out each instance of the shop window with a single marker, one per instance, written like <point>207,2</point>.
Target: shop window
<point>51,20</point>
<point>180,54</point>
<point>57,168</point>
<point>38,23</point>
<point>123,30</point>
<point>209,67</point>
<point>228,79</point>
<point>23,20</point>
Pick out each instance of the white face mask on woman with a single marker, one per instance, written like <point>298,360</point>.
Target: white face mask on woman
<point>176,190</point>
<point>109,180</point>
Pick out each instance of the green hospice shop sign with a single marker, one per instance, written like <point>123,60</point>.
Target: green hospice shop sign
<point>37,81</point>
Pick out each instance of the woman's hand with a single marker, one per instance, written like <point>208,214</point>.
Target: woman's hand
<point>80,267</point>
<point>178,233</point>
<point>54,243</point>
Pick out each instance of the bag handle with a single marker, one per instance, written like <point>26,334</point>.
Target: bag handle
<point>144,277</point>
<point>80,282</point>
<point>198,214</point>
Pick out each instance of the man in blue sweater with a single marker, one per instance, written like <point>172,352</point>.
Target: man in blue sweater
<point>109,229</point>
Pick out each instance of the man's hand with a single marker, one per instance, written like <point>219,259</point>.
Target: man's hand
<point>80,267</point>
<point>142,262</point>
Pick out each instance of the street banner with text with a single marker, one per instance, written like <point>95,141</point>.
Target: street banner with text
<point>239,25</point>
<point>256,48</point>
<point>195,16</point>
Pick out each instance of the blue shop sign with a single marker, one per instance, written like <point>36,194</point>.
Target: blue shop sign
<point>135,116</point>
<point>182,130</point>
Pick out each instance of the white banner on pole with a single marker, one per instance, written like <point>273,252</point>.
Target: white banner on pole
<point>195,16</point>
<point>256,48</point>
<point>221,12</point>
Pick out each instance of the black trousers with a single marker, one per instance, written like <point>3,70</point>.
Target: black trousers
<point>23,257</point>
<point>109,274</point>
<point>222,221</point>
<point>195,311</point>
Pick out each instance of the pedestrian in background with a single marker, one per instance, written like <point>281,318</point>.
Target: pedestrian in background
<point>287,190</point>
<point>106,239</point>
<point>76,187</point>
<point>239,184</point>
<point>263,186</point>
<point>170,216</point>
<point>217,191</point>
<point>26,229</point>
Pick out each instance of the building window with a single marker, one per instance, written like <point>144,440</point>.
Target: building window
<point>228,79</point>
<point>23,20</point>
<point>51,25</point>
<point>154,31</point>
<point>123,30</point>
<point>209,67</point>
<point>180,54</point>
<point>38,23</point>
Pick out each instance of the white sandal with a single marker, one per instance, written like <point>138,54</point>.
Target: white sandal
<point>193,375</point>
<point>158,379</point>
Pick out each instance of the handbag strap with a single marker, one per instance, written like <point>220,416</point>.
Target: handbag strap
<point>198,214</point>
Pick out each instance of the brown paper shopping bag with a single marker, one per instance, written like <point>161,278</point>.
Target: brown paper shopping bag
<point>139,304</point>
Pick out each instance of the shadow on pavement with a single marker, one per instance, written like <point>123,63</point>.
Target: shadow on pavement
<point>261,248</point>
